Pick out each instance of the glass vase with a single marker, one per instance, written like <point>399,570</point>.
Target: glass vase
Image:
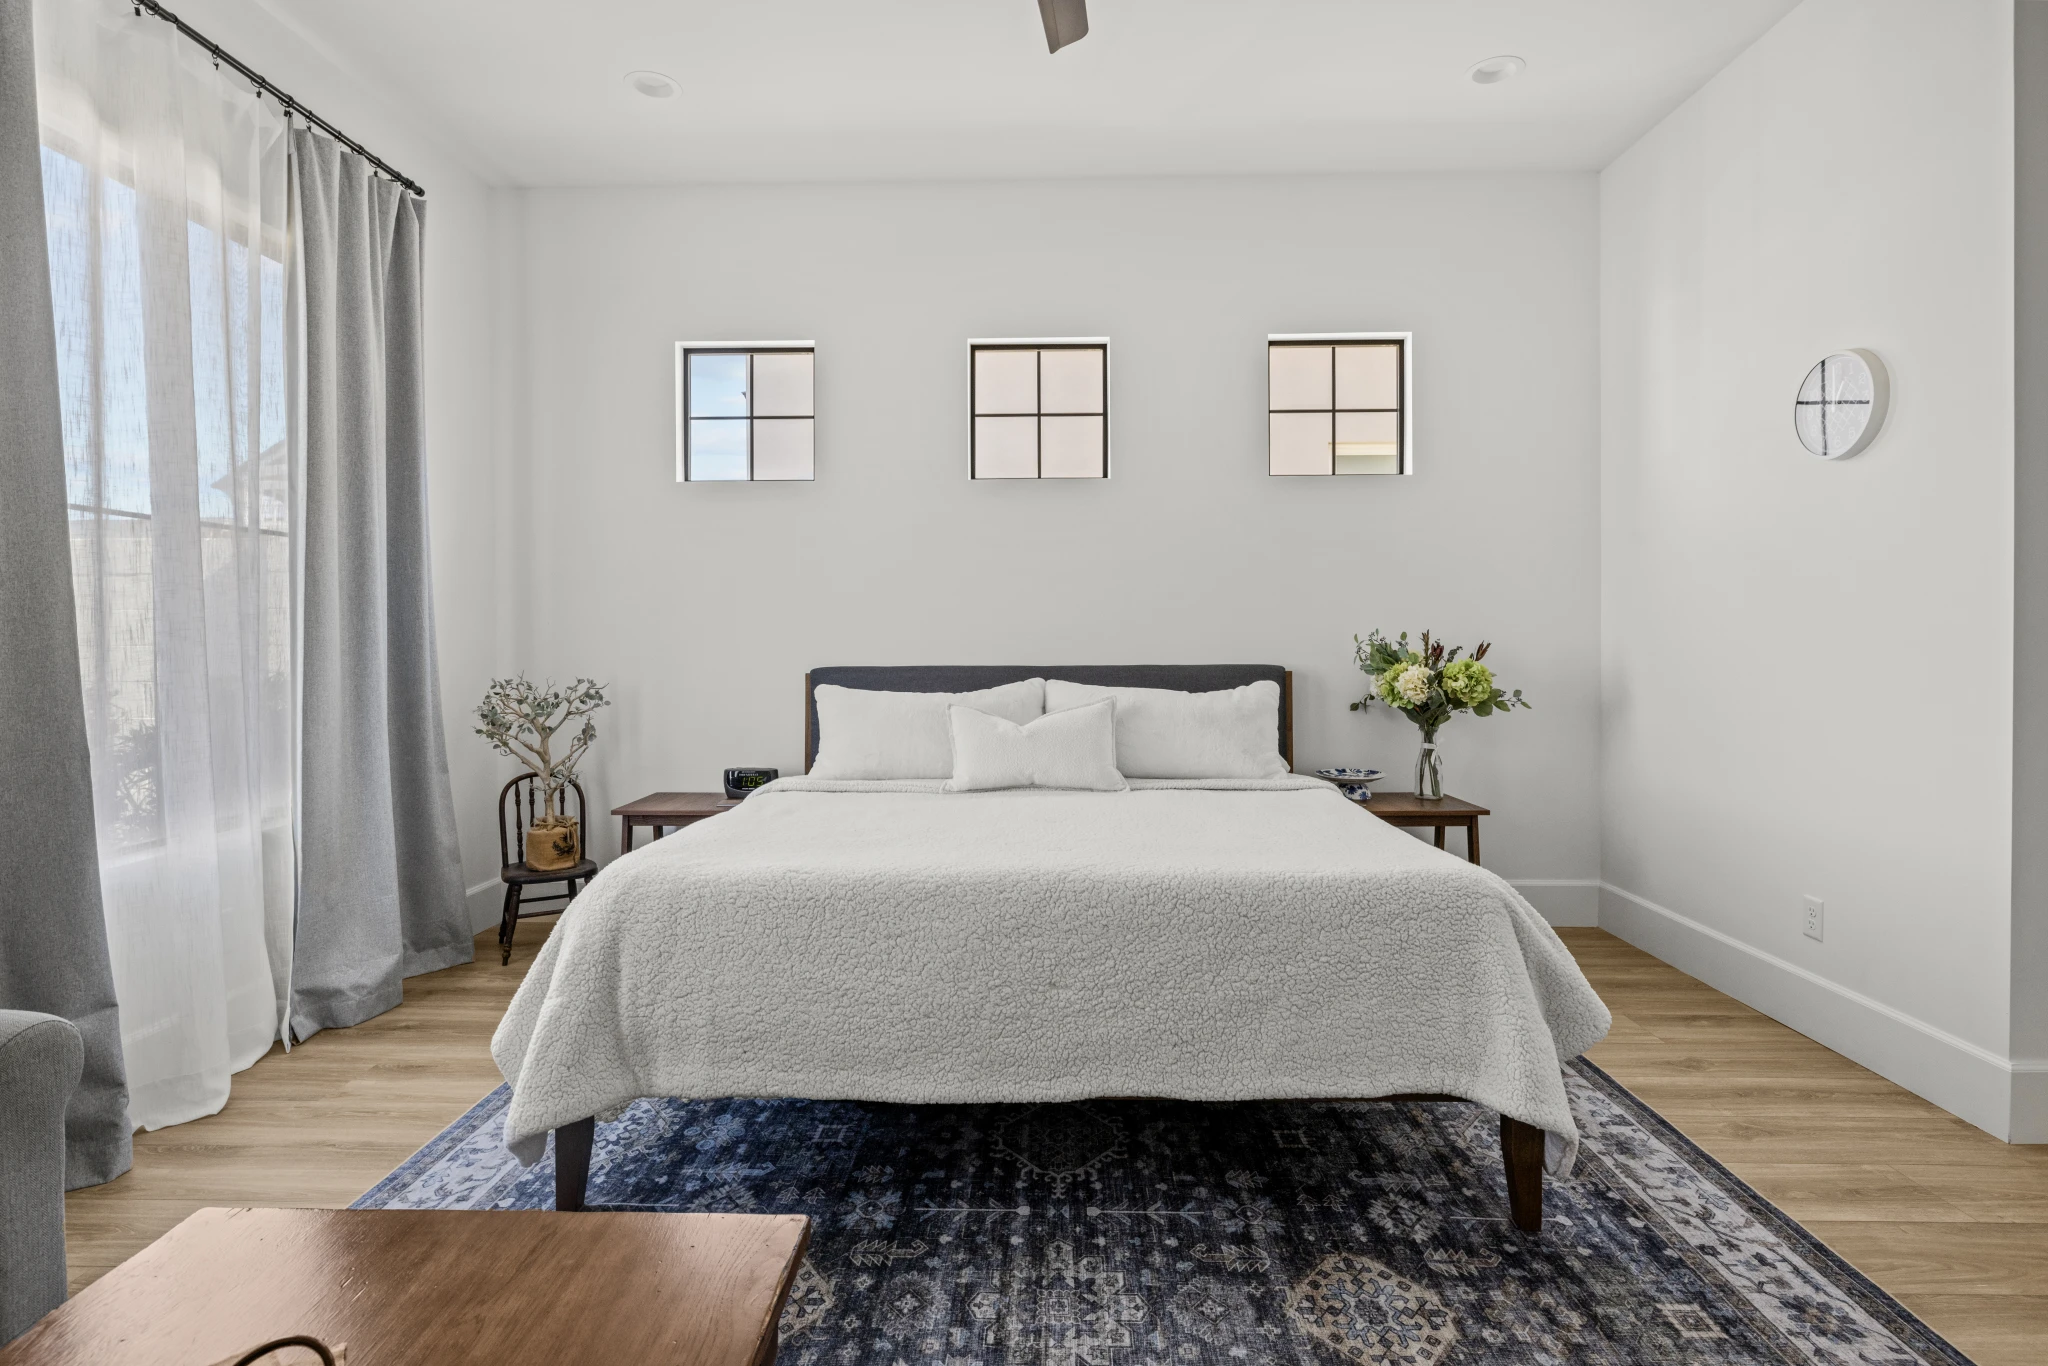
<point>1429,769</point>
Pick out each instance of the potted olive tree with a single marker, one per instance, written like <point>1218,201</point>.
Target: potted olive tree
<point>521,720</point>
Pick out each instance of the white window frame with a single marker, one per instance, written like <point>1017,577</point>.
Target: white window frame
<point>683,349</point>
<point>1407,340</point>
<point>975,344</point>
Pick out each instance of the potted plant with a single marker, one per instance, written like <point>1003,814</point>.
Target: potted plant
<point>1430,685</point>
<point>521,720</point>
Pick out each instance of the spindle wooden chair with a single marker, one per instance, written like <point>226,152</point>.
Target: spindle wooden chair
<point>522,800</point>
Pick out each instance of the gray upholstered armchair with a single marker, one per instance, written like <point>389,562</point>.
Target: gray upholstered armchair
<point>40,1060</point>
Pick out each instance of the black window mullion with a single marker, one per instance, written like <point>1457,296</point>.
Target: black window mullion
<point>1333,409</point>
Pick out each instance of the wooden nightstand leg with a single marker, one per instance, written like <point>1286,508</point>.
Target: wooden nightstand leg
<point>1440,837</point>
<point>625,835</point>
<point>1472,840</point>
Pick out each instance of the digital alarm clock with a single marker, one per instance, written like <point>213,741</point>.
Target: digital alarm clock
<point>740,781</point>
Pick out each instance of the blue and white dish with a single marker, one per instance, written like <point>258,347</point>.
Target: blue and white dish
<point>1352,781</point>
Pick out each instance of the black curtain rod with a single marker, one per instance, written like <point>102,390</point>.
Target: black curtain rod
<point>291,106</point>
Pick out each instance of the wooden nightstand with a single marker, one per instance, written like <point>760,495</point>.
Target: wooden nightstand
<point>667,811</point>
<point>1406,809</point>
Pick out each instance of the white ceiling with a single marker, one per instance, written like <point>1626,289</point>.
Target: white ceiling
<point>846,89</point>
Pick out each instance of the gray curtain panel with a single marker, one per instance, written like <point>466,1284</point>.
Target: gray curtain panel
<point>53,939</point>
<point>380,876</point>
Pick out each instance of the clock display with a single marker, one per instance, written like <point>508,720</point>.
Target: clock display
<point>740,781</point>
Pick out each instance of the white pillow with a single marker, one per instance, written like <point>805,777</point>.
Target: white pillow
<point>866,735</point>
<point>1161,733</point>
<point>1075,749</point>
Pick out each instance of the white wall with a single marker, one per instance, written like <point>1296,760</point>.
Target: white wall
<point>1807,666</point>
<point>703,604</point>
<point>459,324</point>
<point>2030,551</point>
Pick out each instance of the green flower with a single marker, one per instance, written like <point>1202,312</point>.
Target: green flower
<point>1468,681</point>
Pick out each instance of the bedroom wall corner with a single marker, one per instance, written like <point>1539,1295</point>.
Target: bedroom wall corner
<point>1770,623</point>
<point>508,560</point>
<point>2029,987</point>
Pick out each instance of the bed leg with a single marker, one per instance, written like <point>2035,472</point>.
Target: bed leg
<point>1521,1149</point>
<point>572,1162</point>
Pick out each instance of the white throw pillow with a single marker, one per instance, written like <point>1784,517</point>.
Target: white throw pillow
<point>1075,749</point>
<point>866,735</point>
<point>1161,733</point>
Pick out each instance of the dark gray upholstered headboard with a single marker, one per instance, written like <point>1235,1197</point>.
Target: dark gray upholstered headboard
<point>972,677</point>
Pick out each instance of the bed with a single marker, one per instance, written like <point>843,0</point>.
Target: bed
<point>1219,940</point>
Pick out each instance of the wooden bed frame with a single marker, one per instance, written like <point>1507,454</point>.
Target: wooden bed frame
<point>1521,1150</point>
<point>1521,1145</point>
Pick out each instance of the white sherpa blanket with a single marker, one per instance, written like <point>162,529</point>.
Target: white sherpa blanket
<point>1251,940</point>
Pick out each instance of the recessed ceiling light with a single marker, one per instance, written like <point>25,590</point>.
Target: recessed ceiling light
<point>656,86</point>
<point>1494,70</point>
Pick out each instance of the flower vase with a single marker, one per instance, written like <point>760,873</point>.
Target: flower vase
<point>1429,769</point>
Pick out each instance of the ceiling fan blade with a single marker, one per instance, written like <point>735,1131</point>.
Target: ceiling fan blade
<point>1066,21</point>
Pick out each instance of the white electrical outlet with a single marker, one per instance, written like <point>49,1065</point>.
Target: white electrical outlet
<point>1816,918</point>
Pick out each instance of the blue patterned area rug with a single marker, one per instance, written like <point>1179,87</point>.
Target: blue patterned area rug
<point>1157,1233</point>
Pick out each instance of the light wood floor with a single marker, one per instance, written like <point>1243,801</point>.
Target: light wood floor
<point>1945,1217</point>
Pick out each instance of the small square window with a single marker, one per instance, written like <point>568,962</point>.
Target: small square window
<point>1005,381</point>
<point>1069,447</point>
<point>782,447</point>
<point>1297,377</point>
<point>1041,409</point>
<point>718,448</point>
<point>1005,448</point>
<point>1339,405</point>
<point>744,412</point>
<point>1298,443</point>
<point>1070,381</point>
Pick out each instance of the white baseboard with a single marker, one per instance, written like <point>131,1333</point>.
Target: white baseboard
<point>1961,1077</point>
<point>2030,1101</point>
<point>486,904</point>
<point>1562,900</point>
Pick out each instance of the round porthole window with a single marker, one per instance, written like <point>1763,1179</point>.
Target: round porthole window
<point>1842,404</point>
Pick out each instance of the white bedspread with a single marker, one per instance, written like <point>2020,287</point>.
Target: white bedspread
<point>1257,939</point>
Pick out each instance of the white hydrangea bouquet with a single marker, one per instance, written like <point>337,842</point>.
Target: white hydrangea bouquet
<point>1430,685</point>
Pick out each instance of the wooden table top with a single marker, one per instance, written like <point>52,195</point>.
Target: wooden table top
<point>1407,804</point>
<point>677,804</point>
<point>414,1287</point>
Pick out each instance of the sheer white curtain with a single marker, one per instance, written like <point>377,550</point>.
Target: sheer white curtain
<point>164,182</point>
